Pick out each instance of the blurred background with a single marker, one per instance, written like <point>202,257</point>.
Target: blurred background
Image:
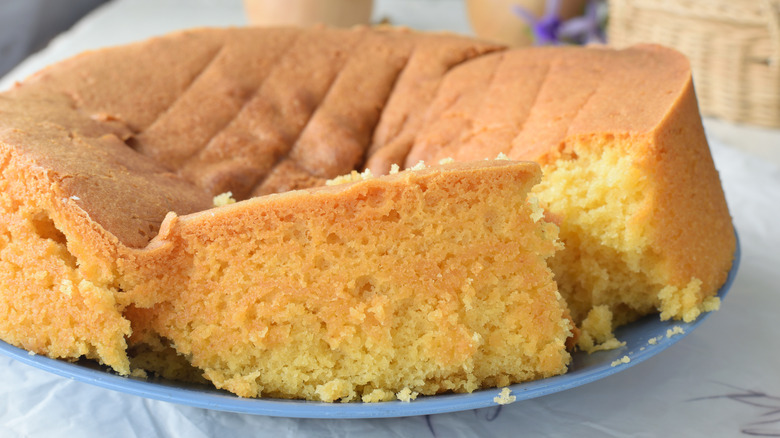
<point>26,26</point>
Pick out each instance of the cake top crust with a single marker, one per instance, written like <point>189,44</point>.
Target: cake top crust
<point>134,132</point>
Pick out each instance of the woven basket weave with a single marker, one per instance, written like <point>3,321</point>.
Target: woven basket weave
<point>733,46</point>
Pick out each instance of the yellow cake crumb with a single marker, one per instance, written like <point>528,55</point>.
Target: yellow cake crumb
<point>419,166</point>
<point>350,177</point>
<point>394,168</point>
<point>537,212</point>
<point>621,361</point>
<point>139,373</point>
<point>504,397</point>
<point>224,199</point>
<point>682,303</point>
<point>42,276</point>
<point>66,287</point>
<point>596,331</point>
<point>406,395</point>
<point>378,395</point>
<point>447,160</point>
<point>711,304</point>
<point>334,390</point>
<point>502,156</point>
<point>676,330</point>
<point>654,341</point>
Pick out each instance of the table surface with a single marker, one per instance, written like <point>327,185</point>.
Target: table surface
<point>721,380</point>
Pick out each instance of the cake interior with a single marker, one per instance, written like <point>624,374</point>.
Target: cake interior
<point>607,261</point>
<point>427,283</point>
<point>54,302</point>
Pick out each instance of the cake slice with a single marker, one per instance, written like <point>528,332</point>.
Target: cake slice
<point>426,281</point>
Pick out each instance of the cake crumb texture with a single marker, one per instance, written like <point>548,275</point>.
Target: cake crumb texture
<point>406,395</point>
<point>464,298</point>
<point>224,199</point>
<point>596,331</point>
<point>621,361</point>
<point>676,330</point>
<point>50,303</point>
<point>504,397</point>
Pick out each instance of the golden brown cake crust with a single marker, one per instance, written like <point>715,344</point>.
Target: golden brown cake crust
<point>229,106</point>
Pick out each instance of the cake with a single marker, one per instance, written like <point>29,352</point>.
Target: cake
<point>112,247</point>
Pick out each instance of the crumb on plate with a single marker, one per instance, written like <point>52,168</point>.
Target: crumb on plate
<point>406,395</point>
<point>622,360</point>
<point>676,330</point>
<point>504,397</point>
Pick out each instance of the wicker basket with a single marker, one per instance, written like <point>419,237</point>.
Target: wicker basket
<point>733,46</point>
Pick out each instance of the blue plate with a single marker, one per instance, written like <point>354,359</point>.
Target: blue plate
<point>584,369</point>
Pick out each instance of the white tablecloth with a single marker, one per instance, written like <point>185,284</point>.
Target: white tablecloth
<point>721,380</point>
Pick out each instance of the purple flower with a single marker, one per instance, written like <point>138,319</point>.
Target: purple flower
<point>550,29</point>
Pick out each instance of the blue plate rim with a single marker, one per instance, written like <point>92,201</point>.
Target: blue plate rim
<point>424,405</point>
